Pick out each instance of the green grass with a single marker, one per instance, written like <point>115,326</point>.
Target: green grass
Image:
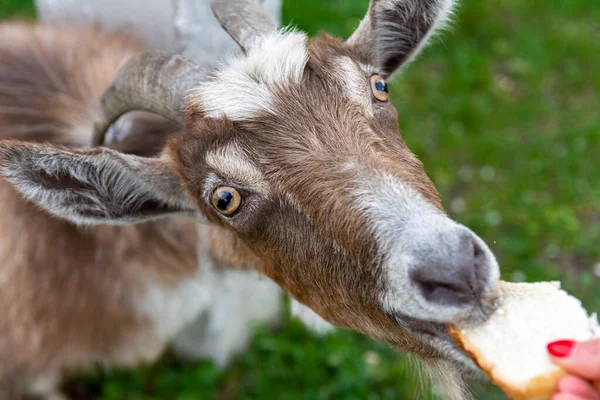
<point>503,109</point>
<point>17,9</point>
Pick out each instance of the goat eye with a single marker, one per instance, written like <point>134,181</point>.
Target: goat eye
<point>226,200</point>
<point>379,88</point>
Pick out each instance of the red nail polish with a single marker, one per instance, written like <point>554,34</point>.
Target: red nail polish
<point>561,348</point>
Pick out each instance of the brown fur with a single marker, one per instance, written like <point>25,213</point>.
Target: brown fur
<point>292,229</point>
<point>52,79</point>
<point>67,293</point>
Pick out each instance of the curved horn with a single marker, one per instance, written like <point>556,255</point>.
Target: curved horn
<point>244,20</point>
<point>149,81</point>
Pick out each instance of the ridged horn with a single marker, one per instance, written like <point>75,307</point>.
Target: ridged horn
<point>244,20</point>
<point>150,81</point>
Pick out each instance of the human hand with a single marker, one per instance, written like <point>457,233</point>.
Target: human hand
<point>582,361</point>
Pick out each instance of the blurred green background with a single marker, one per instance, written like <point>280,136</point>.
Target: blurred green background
<point>503,109</point>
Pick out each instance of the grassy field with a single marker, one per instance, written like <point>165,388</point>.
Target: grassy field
<point>503,109</point>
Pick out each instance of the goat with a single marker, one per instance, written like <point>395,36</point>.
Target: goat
<point>291,159</point>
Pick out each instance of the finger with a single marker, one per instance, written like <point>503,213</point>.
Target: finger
<point>568,396</point>
<point>581,359</point>
<point>575,385</point>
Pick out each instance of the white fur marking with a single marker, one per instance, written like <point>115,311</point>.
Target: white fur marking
<point>241,301</point>
<point>368,69</point>
<point>442,17</point>
<point>232,163</point>
<point>403,223</point>
<point>232,301</point>
<point>171,308</point>
<point>396,36</point>
<point>46,386</point>
<point>245,86</point>
<point>357,85</point>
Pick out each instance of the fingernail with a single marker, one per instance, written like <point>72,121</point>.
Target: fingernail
<point>561,348</point>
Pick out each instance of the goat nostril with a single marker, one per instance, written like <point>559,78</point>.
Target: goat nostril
<point>477,250</point>
<point>480,265</point>
<point>453,274</point>
<point>444,292</point>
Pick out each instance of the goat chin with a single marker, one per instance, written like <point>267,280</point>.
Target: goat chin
<point>450,381</point>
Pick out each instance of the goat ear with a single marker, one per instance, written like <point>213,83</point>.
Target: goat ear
<point>95,186</point>
<point>394,31</point>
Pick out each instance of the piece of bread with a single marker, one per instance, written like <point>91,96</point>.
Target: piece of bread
<point>510,347</point>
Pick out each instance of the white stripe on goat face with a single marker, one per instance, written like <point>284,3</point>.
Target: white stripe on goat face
<point>232,163</point>
<point>408,229</point>
<point>245,86</point>
<point>356,82</point>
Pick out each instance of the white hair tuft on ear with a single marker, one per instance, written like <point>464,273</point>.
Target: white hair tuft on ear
<point>394,31</point>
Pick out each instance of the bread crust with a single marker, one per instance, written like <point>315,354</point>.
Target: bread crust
<point>541,387</point>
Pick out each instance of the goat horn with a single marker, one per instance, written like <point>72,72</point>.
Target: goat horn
<point>244,20</point>
<point>149,81</point>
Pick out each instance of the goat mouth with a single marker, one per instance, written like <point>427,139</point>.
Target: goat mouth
<point>439,337</point>
<point>429,329</point>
